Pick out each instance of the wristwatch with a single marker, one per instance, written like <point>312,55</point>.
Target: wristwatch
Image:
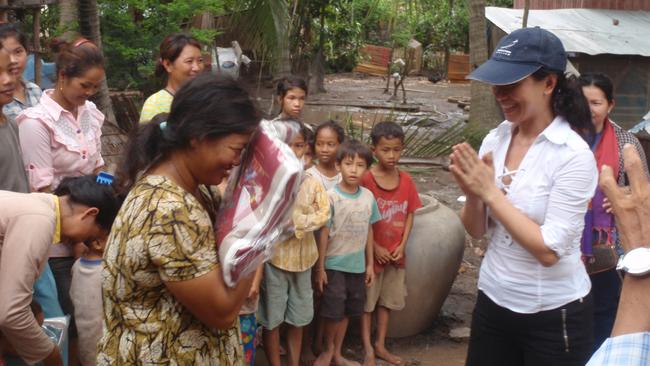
<point>636,262</point>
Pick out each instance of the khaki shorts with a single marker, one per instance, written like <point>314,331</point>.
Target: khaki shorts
<point>285,297</point>
<point>388,290</point>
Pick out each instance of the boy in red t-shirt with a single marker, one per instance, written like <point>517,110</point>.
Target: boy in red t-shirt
<point>397,198</point>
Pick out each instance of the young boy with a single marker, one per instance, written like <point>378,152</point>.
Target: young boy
<point>397,198</point>
<point>345,260</point>
<point>286,292</point>
<point>86,295</point>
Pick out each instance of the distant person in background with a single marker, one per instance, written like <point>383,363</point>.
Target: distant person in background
<point>61,137</point>
<point>180,59</point>
<point>291,93</point>
<point>26,94</point>
<point>600,239</point>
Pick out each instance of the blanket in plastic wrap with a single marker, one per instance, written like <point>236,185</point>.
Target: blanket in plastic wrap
<point>256,207</point>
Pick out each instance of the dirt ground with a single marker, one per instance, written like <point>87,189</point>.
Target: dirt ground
<point>434,346</point>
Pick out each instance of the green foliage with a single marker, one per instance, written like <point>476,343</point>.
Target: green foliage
<point>133,29</point>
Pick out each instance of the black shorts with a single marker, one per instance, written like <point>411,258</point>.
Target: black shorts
<point>344,295</point>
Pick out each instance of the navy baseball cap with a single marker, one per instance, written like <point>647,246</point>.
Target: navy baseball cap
<point>520,54</point>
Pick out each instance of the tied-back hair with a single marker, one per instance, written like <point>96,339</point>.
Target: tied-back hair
<point>74,58</point>
<point>86,191</point>
<point>206,107</point>
<point>600,81</point>
<point>569,102</point>
<point>171,47</point>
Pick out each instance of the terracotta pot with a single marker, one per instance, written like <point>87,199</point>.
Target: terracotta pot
<point>433,255</point>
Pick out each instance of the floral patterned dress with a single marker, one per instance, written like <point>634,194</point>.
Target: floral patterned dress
<point>162,233</point>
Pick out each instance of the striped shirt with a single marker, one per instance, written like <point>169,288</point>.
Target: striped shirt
<point>160,102</point>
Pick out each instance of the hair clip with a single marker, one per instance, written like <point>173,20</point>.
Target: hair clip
<point>163,125</point>
<point>80,41</point>
<point>104,178</point>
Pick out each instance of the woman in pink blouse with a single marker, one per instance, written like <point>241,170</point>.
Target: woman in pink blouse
<point>60,137</point>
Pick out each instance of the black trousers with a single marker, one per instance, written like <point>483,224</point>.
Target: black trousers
<point>500,337</point>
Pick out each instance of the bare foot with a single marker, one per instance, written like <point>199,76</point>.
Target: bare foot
<point>383,354</point>
<point>342,361</point>
<point>369,359</point>
<point>307,357</point>
<point>324,359</point>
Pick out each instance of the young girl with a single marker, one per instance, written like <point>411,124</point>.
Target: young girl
<point>291,93</point>
<point>180,60</point>
<point>286,293</point>
<point>327,138</point>
<point>26,94</point>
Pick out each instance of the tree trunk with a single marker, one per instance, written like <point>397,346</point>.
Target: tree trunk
<point>68,16</point>
<point>484,112</point>
<point>89,16</point>
<point>318,64</point>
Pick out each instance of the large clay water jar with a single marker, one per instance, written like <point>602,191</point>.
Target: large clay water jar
<point>433,255</point>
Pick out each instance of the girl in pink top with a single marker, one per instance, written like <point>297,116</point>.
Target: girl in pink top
<point>61,137</point>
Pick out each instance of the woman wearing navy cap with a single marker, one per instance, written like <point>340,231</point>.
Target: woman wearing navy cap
<point>530,184</point>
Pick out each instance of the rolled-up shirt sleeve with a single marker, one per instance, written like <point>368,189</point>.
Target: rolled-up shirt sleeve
<point>574,185</point>
<point>36,145</point>
<point>24,251</point>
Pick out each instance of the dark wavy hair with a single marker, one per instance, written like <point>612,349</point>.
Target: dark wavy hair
<point>205,107</point>
<point>568,101</point>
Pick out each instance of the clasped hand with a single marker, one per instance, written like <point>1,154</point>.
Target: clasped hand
<point>475,176</point>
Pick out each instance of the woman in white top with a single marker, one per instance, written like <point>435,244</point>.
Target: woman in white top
<point>529,186</point>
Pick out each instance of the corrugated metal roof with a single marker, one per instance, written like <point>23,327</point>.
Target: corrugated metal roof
<point>590,31</point>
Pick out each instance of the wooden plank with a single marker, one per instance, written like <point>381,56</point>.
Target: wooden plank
<point>389,106</point>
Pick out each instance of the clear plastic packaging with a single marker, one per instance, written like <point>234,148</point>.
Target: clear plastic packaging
<point>256,208</point>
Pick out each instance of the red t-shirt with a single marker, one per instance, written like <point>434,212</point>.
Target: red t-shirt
<point>394,205</point>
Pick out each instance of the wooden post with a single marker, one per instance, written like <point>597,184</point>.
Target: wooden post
<point>37,46</point>
<point>526,10</point>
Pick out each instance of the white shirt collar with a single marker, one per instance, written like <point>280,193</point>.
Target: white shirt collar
<point>557,132</point>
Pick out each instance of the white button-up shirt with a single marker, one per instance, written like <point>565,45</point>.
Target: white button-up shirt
<point>553,185</point>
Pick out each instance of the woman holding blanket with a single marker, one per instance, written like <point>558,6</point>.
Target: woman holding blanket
<point>599,239</point>
<point>165,300</point>
<point>530,183</point>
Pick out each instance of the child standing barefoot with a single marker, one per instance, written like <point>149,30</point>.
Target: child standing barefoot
<point>86,296</point>
<point>397,198</point>
<point>327,138</point>
<point>286,293</point>
<point>345,260</point>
